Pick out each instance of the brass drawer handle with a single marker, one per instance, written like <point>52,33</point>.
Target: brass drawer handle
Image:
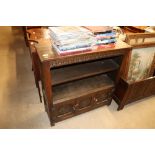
<point>76,107</point>
<point>100,101</point>
<point>84,107</point>
<point>96,99</point>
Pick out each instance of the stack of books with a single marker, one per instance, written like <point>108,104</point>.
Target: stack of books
<point>104,35</point>
<point>71,39</point>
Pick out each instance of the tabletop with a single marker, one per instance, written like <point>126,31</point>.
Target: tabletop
<point>47,53</point>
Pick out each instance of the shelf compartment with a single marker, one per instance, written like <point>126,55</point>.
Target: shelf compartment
<point>79,71</point>
<point>79,88</point>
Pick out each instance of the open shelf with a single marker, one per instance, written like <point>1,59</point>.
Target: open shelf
<point>84,70</point>
<point>82,87</point>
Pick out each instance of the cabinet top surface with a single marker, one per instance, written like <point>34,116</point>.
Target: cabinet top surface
<point>46,53</point>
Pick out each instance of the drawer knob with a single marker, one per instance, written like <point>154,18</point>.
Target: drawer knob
<point>96,99</point>
<point>75,107</point>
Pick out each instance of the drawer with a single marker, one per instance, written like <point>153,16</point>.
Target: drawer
<point>101,97</point>
<point>83,103</point>
<point>64,110</point>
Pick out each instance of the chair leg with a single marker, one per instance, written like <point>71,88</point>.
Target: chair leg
<point>36,75</point>
<point>37,85</point>
<point>39,92</point>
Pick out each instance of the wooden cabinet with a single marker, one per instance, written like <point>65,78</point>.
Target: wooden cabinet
<point>78,83</point>
<point>126,92</point>
<point>138,86</point>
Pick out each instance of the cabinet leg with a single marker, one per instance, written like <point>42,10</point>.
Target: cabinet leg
<point>108,104</point>
<point>45,105</point>
<point>39,92</point>
<point>46,110</point>
<point>120,107</point>
<point>52,123</point>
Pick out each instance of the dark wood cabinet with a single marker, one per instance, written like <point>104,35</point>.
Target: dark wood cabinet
<point>78,83</point>
<point>126,92</point>
<point>129,91</point>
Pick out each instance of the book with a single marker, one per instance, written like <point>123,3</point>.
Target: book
<point>69,52</point>
<point>100,47</point>
<point>99,29</point>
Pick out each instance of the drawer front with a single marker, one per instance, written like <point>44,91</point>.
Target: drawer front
<point>64,110</point>
<point>101,97</point>
<point>83,103</point>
